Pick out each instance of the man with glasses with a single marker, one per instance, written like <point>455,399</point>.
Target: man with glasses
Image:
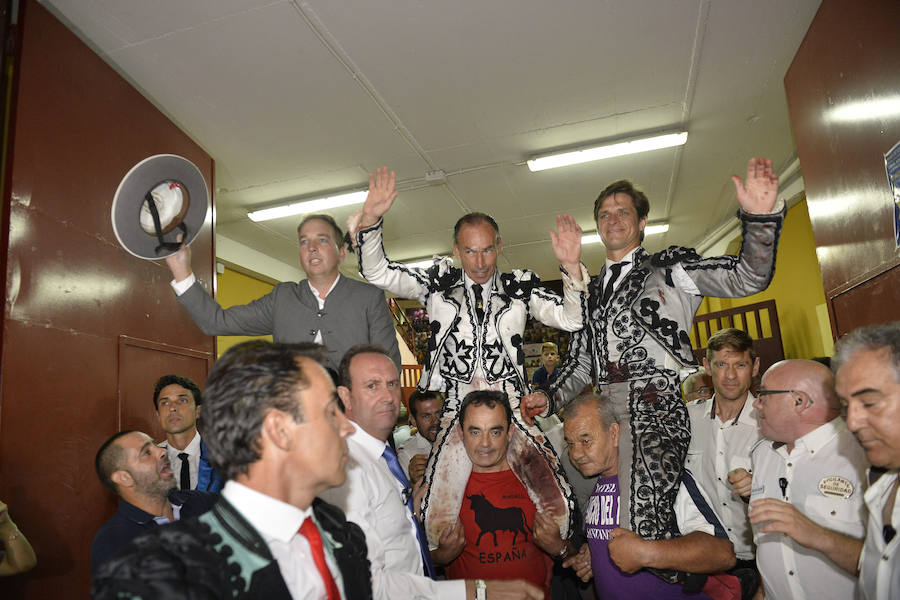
<point>806,504</point>
<point>723,432</point>
<point>697,386</point>
<point>867,367</point>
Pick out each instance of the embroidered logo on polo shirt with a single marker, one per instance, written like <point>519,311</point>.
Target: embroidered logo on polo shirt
<point>836,487</point>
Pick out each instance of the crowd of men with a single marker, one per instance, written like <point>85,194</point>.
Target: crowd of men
<point>782,487</point>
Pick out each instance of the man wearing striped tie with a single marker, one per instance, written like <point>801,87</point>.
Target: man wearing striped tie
<point>274,430</point>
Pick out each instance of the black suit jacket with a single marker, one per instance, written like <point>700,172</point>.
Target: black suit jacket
<point>220,555</point>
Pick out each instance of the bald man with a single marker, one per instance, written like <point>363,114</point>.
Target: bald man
<point>806,503</point>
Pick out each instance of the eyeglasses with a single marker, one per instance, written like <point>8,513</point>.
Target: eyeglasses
<point>761,394</point>
<point>704,392</point>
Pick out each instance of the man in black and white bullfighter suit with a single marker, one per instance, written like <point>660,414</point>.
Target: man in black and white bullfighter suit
<point>477,318</point>
<point>635,346</point>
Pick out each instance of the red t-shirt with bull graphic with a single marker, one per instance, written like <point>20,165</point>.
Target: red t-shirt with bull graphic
<point>497,516</point>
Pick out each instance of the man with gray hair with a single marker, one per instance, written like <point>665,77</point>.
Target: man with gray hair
<point>867,367</point>
<point>806,504</point>
<point>619,558</point>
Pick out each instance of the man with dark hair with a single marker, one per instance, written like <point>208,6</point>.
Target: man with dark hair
<point>867,367</point>
<point>635,347</point>
<point>496,507</point>
<point>274,430</point>
<point>723,433</point>
<point>138,472</point>
<point>618,557</point>
<point>177,400</point>
<point>806,504</point>
<point>377,495</point>
<point>326,308</point>
<point>477,317</point>
<point>425,414</point>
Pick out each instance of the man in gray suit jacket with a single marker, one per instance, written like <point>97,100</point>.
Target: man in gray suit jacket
<point>326,308</point>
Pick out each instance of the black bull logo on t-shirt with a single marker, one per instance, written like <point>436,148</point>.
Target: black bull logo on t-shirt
<point>491,519</point>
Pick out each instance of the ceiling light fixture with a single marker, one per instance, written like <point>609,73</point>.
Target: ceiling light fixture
<point>648,230</point>
<point>873,109</point>
<point>308,206</point>
<point>574,157</point>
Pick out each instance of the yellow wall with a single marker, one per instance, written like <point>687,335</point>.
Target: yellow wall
<point>236,288</point>
<point>796,288</point>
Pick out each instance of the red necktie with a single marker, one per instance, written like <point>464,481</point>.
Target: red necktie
<point>309,530</point>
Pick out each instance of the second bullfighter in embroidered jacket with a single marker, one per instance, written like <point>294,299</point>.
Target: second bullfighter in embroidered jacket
<point>477,318</point>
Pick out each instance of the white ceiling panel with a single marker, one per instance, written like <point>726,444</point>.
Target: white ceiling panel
<point>297,98</point>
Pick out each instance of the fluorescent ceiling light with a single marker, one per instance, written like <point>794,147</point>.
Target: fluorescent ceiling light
<point>308,206</point>
<point>575,157</point>
<point>866,110</point>
<point>648,230</point>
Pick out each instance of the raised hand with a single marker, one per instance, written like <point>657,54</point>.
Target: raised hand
<point>759,192</point>
<point>566,240</point>
<point>381,196</point>
<point>180,262</point>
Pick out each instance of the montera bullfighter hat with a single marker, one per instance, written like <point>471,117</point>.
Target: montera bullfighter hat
<point>160,198</point>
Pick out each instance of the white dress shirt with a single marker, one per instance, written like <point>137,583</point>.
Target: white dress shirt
<point>321,301</point>
<point>414,445</point>
<point>879,563</point>
<point>371,498</point>
<point>193,452</point>
<point>824,459</point>
<point>716,449</point>
<point>278,523</point>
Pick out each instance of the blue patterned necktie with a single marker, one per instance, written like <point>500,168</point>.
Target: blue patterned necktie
<point>394,465</point>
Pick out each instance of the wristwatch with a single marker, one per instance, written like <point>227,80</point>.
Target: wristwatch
<point>480,589</point>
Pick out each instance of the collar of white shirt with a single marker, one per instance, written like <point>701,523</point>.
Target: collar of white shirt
<point>192,449</point>
<point>745,417</point>
<point>629,257</point>
<point>373,446</point>
<point>315,292</point>
<point>273,519</point>
<point>485,287</point>
<point>816,439</point>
